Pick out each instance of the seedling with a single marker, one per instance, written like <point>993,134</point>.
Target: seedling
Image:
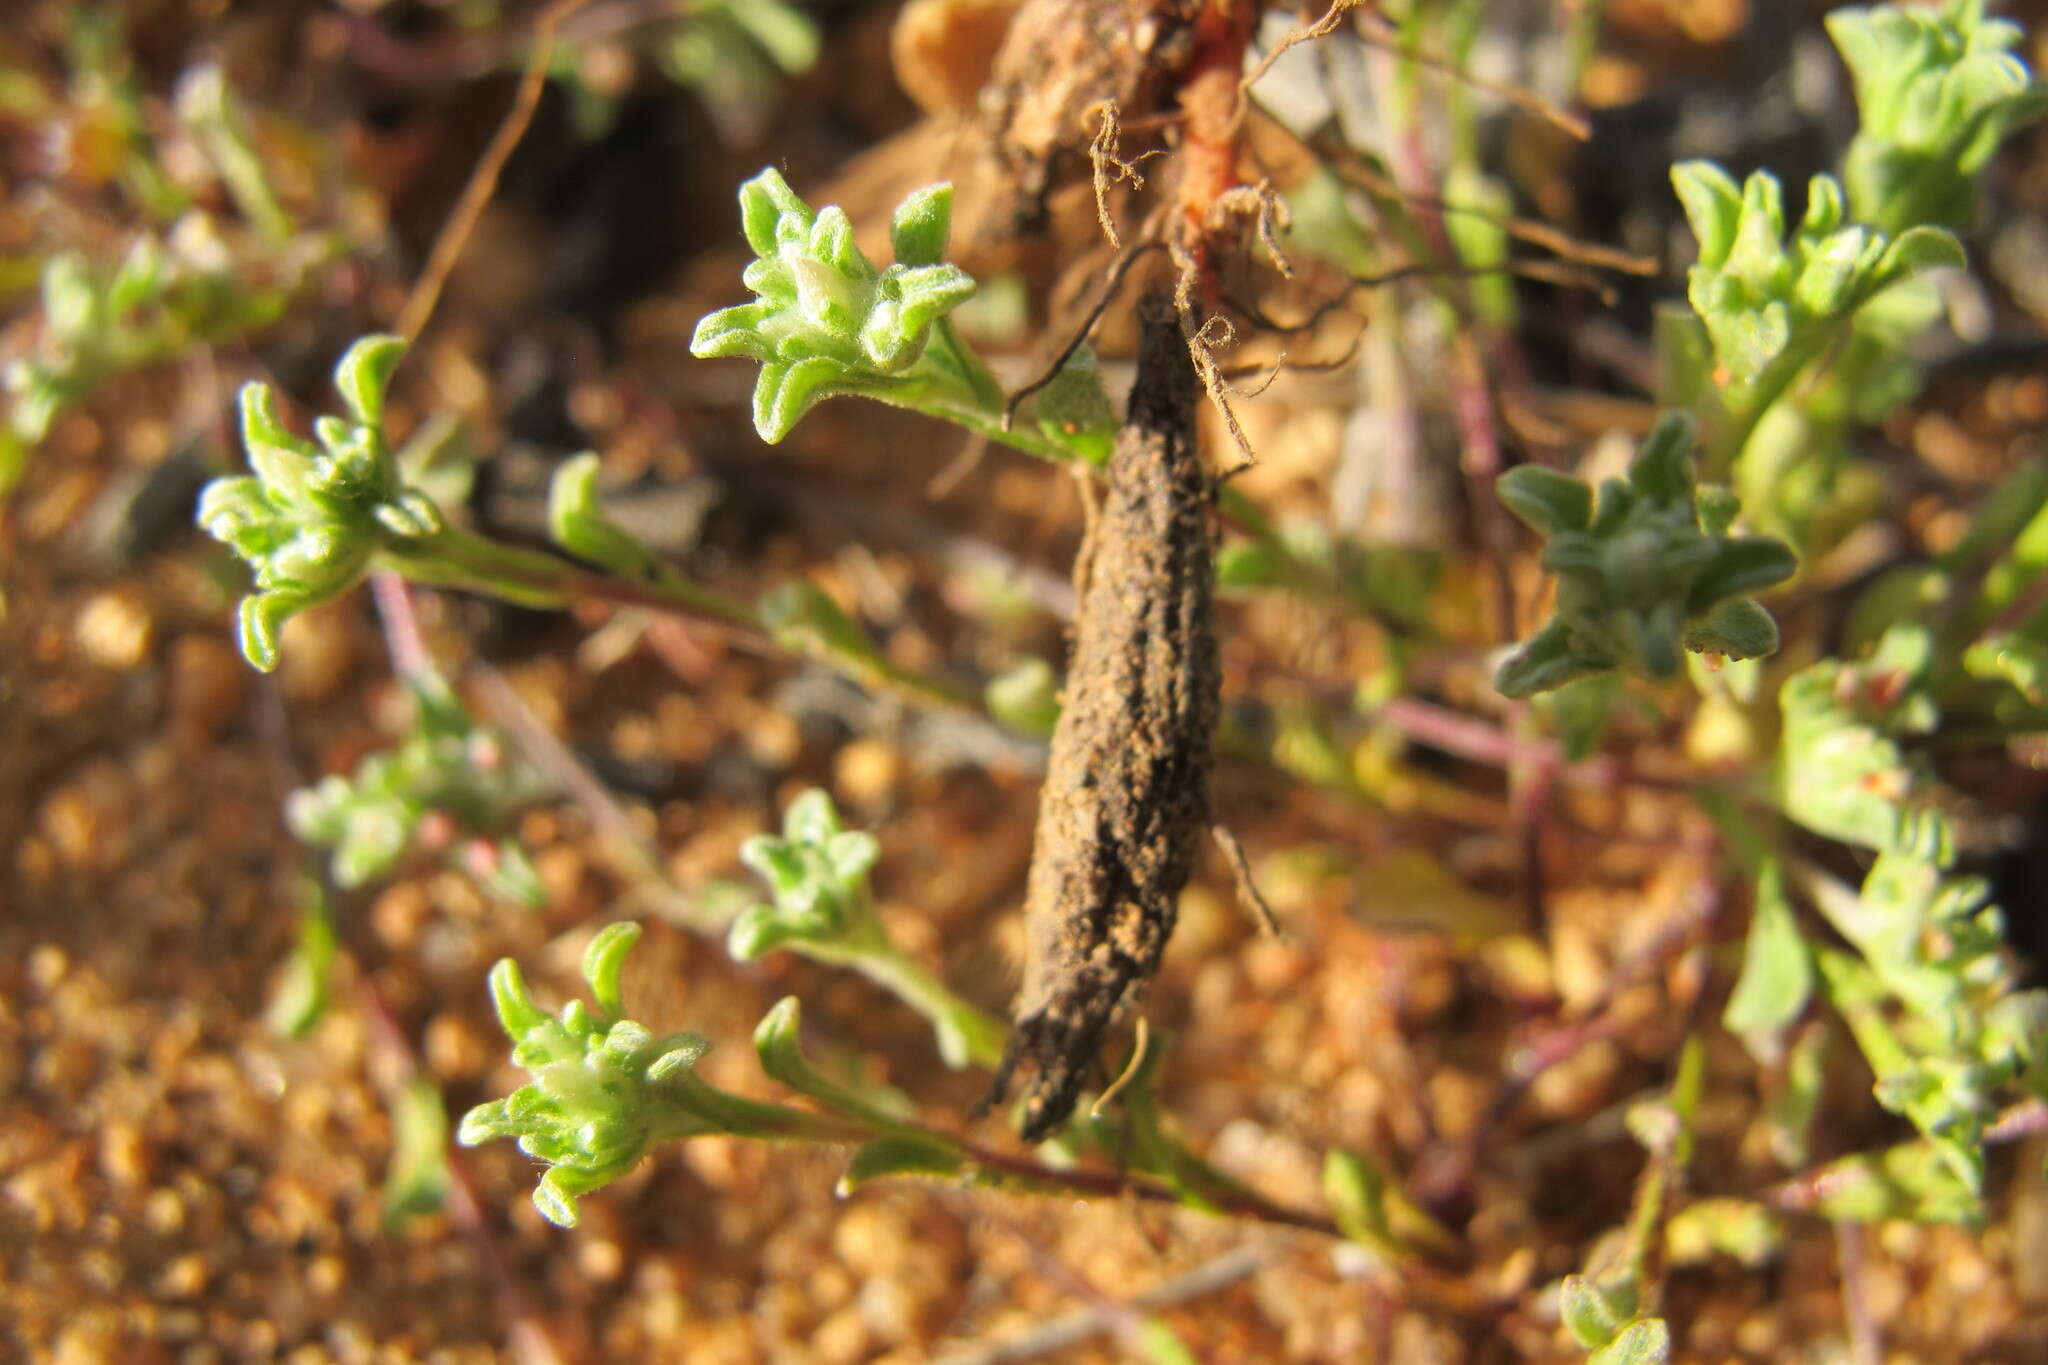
<point>826,322</point>
<point>450,787</point>
<point>823,908</point>
<point>1644,572</point>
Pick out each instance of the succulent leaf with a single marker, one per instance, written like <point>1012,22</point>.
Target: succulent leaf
<point>312,516</point>
<point>1645,569</point>
<point>825,320</point>
<point>447,775</point>
<point>602,1089</point>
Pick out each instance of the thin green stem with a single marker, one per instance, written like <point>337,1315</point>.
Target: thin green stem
<point>1759,396</point>
<point>967,363</point>
<point>1022,1173</point>
<point>954,386</point>
<point>702,601</point>
<point>454,558</point>
<point>967,1036</point>
<point>980,1036</point>
<point>910,683</point>
<point>697,1102</point>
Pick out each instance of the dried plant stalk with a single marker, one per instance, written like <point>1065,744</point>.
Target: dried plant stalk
<point>1126,796</point>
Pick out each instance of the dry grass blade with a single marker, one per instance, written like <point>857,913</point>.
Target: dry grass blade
<point>483,181</point>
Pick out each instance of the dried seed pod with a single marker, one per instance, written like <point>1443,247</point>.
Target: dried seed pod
<point>1126,797</point>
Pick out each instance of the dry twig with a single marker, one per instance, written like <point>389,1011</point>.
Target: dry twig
<point>483,181</point>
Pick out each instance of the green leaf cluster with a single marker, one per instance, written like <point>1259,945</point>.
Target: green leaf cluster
<point>1644,572</point>
<point>1928,991</point>
<point>311,516</point>
<point>1937,89</point>
<point>603,1087</point>
<point>447,776</point>
<point>1777,970</point>
<point>1771,302</point>
<point>167,294</point>
<point>198,279</point>
<point>825,320</point>
<point>1943,1070</point>
<point>822,906</point>
<point>1373,1210</point>
<point>817,874</point>
<point>315,518</point>
<point>1026,697</point>
<point>1813,330</point>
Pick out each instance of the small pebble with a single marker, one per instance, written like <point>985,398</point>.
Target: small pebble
<point>114,630</point>
<point>209,687</point>
<point>865,772</point>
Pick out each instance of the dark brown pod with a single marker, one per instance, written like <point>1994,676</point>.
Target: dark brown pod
<point>1126,797</point>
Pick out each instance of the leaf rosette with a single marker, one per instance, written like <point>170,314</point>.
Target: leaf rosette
<point>604,1087</point>
<point>447,774</point>
<point>825,320</point>
<point>311,517</point>
<point>1645,571</point>
<point>1770,299</point>
<point>817,875</point>
<point>1937,89</point>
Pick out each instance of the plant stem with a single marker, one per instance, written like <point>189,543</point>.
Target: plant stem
<point>1025,1173</point>
<point>454,558</point>
<point>980,1036</point>
<point>698,1103</point>
<point>957,387</point>
<point>408,649</point>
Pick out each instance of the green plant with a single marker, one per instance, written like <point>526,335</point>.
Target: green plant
<point>1646,571</point>
<point>314,519</point>
<point>1772,302</point>
<point>826,322</point>
<point>199,280</point>
<point>736,54</point>
<point>1929,994</point>
<point>311,519</point>
<point>817,874</point>
<point>1805,326</point>
<point>450,786</point>
<point>603,1086</point>
<point>1815,335</point>
<point>1794,333</point>
<point>604,1089</point>
<point>1937,91</point>
<point>166,295</point>
<point>1795,330</point>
